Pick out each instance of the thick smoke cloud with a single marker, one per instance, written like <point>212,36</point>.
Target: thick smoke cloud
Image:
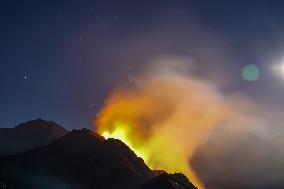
<point>250,156</point>
<point>181,123</point>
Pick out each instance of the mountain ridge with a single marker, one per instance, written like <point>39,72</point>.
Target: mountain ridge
<point>83,159</point>
<point>28,135</point>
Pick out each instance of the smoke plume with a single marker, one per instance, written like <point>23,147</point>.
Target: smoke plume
<point>166,114</point>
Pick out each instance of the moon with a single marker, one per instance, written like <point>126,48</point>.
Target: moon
<point>278,69</point>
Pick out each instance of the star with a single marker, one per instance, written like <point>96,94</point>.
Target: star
<point>27,76</point>
<point>116,19</point>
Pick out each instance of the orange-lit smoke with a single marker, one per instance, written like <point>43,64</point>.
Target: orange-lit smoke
<point>165,115</point>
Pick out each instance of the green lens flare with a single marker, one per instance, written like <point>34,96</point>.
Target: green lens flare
<point>250,72</point>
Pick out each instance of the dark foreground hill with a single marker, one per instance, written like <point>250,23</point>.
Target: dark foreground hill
<point>169,181</point>
<point>28,135</point>
<point>84,160</point>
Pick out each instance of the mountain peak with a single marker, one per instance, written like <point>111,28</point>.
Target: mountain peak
<point>28,135</point>
<point>85,133</point>
<point>38,123</point>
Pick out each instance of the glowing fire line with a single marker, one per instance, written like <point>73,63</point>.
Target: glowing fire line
<point>121,132</point>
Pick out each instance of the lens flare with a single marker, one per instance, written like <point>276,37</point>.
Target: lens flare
<point>250,72</point>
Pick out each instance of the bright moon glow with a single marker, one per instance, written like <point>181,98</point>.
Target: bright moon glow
<point>278,69</point>
<point>282,69</point>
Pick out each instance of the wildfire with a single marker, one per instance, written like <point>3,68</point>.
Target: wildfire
<point>164,116</point>
<point>121,132</point>
<point>162,121</point>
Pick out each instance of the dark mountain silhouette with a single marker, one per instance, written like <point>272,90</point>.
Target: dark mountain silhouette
<point>84,160</point>
<point>169,181</point>
<point>29,135</point>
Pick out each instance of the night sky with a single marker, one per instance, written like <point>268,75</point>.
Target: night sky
<point>60,59</point>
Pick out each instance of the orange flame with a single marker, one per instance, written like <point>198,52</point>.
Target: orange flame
<point>158,122</point>
<point>164,118</point>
